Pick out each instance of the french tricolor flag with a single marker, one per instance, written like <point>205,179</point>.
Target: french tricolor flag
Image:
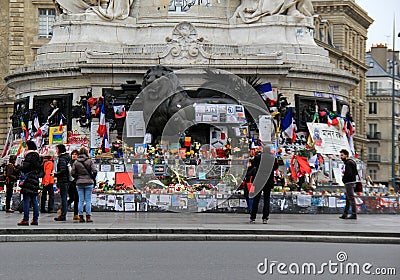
<point>102,126</point>
<point>288,125</point>
<point>106,143</point>
<point>37,126</point>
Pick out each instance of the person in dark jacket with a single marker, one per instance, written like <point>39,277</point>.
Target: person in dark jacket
<point>349,180</point>
<point>85,172</point>
<point>31,171</point>
<point>72,191</point>
<point>12,172</point>
<point>62,176</point>
<point>266,192</point>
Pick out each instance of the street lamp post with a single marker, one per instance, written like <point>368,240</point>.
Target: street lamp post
<point>393,114</point>
<point>393,107</point>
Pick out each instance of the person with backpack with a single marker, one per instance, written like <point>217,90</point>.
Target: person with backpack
<point>48,183</point>
<point>31,170</point>
<point>85,173</point>
<point>12,173</point>
<point>62,176</point>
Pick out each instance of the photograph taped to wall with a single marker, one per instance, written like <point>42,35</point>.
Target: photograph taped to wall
<point>119,203</point>
<point>130,207</point>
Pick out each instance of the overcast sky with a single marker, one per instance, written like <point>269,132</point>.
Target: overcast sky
<point>383,12</point>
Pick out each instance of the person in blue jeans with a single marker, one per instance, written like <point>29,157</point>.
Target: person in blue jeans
<point>30,169</point>
<point>62,180</point>
<point>84,171</point>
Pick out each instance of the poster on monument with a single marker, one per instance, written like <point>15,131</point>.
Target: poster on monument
<point>57,136</point>
<point>328,139</point>
<point>264,128</point>
<point>135,126</point>
<point>95,139</point>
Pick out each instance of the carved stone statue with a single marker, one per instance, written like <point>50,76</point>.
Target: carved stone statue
<point>106,9</point>
<point>253,10</point>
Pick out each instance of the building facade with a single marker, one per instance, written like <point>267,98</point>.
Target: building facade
<point>341,27</point>
<point>25,25</point>
<point>379,114</point>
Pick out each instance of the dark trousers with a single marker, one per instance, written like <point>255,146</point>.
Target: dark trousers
<point>9,193</point>
<point>73,197</point>
<point>64,195</point>
<point>350,200</point>
<point>31,200</point>
<point>47,189</point>
<point>256,201</point>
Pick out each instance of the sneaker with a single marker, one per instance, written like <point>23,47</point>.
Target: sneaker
<point>344,216</point>
<point>34,223</point>
<point>60,219</point>
<point>252,221</point>
<point>9,211</point>
<point>265,221</point>
<point>23,223</point>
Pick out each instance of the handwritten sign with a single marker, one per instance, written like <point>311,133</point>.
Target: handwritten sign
<point>329,140</point>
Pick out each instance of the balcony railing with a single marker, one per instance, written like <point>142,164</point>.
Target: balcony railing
<point>382,92</point>
<point>374,136</point>
<point>374,158</point>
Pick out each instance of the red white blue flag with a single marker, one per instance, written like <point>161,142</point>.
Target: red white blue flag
<point>102,126</point>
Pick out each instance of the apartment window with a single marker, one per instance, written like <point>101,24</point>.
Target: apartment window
<point>372,107</point>
<point>373,128</point>
<point>372,150</point>
<point>372,174</point>
<point>373,87</point>
<point>46,20</point>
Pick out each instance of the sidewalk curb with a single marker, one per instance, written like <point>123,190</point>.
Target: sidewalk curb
<point>197,237</point>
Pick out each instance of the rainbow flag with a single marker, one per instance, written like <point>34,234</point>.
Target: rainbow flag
<point>23,126</point>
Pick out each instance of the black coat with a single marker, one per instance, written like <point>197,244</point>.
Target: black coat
<point>62,173</point>
<point>350,171</point>
<point>31,169</point>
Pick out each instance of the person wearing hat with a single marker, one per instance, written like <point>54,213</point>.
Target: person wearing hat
<point>48,183</point>
<point>12,174</point>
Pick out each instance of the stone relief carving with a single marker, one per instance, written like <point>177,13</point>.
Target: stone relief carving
<point>105,9</point>
<point>253,10</point>
<point>185,41</point>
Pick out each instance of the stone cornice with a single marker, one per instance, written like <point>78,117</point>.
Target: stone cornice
<point>350,8</point>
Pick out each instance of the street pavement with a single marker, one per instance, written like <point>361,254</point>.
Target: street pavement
<point>167,226</point>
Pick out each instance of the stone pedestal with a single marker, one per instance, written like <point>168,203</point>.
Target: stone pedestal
<point>88,53</point>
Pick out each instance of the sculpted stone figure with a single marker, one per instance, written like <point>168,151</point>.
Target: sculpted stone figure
<point>106,9</point>
<point>249,14</point>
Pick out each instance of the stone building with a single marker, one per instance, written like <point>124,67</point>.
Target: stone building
<point>25,25</point>
<point>379,114</point>
<point>340,28</point>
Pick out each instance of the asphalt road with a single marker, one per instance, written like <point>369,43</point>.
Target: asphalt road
<point>195,260</point>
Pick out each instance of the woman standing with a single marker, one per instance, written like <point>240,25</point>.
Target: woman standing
<point>85,173</point>
<point>31,170</point>
<point>48,183</point>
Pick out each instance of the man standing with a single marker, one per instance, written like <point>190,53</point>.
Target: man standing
<point>62,175</point>
<point>349,180</point>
